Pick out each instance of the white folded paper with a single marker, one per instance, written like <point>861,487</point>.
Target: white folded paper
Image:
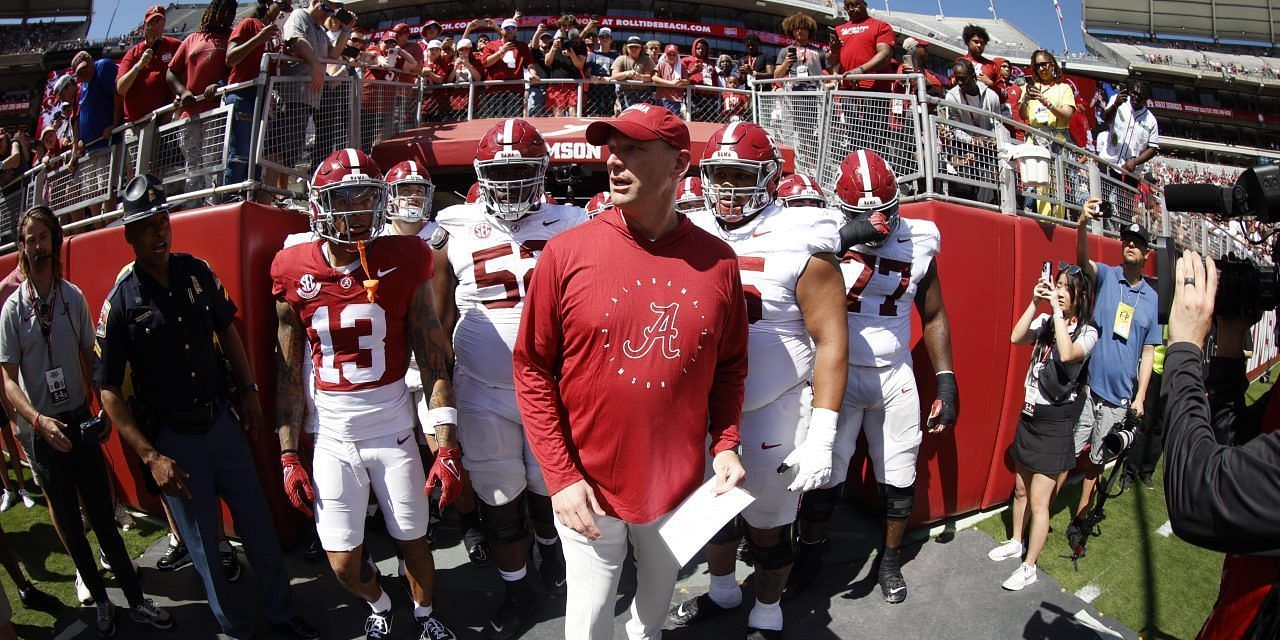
<point>699,517</point>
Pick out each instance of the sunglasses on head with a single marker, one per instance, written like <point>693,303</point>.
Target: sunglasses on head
<point>327,9</point>
<point>508,28</point>
<point>1071,269</point>
<point>1039,65</point>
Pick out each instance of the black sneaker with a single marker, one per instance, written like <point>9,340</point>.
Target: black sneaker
<point>174,558</point>
<point>806,568</point>
<point>230,564</point>
<point>430,628</point>
<point>1075,534</point>
<point>378,625</point>
<point>33,598</point>
<point>105,619</point>
<point>763,634</point>
<point>477,547</point>
<point>516,611</point>
<point>552,567</point>
<point>696,610</point>
<point>892,584</point>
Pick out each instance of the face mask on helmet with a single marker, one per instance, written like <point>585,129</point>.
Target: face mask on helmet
<point>348,213</point>
<point>510,189</point>
<point>410,200</point>
<point>689,197</point>
<point>805,202</point>
<point>735,190</point>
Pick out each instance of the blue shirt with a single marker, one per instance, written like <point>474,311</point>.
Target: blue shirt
<point>98,103</point>
<point>1113,365</point>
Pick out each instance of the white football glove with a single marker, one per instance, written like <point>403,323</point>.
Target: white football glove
<point>812,458</point>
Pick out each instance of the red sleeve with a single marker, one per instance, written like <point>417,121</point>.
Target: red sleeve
<point>244,31</point>
<point>129,59</point>
<point>536,359</point>
<point>728,389</point>
<point>885,34</point>
<point>278,285</point>
<point>179,62</point>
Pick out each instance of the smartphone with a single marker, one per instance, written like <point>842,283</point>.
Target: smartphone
<point>1105,209</point>
<point>791,50</point>
<point>1046,271</point>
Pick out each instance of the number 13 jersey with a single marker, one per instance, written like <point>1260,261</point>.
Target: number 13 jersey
<point>881,283</point>
<point>358,348</point>
<point>493,262</point>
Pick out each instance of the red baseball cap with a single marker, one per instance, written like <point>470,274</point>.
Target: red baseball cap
<point>671,48</point>
<point>154,12</point>
<point>642,122</point>
<point>401,28</point>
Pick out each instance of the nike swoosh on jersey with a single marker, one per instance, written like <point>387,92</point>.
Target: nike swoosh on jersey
<point>401,440</point>
<point>547,224</point>
<point>757,234</point>
<point>904,239</point>
<point>383,272</point>
<point>766,446</point>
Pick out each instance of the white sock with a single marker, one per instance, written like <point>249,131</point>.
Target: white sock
<point>422,611</point>
<point>514,576</point>
<point>725,590</point>
<point>173,539</point>
<point>546,542</point>
<point>383,603</point>
<point>765,616</point>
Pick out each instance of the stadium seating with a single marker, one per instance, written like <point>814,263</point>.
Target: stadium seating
<point>35,37</point>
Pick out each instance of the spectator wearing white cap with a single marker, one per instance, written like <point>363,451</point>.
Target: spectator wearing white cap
<point>506,59</point>
<point>435,70</point>
<point>601,98</point>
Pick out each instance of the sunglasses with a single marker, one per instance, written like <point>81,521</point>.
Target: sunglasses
<point>1040,65</point>
<point>327,9</point>
<point>508,28</point>
<point>1071,269</point>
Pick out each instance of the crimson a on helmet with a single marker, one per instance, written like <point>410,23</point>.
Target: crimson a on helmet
<point>798,190</point>
<point>865,184</point>
<point>598,203</point>
<point>511,167</point>
<point>689,195</point>
<point>411,191</point>
<point>346,187</point>
<point>737,153</point>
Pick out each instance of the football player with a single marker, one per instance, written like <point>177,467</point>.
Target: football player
<point>485,255</point>
<point>409,210</point>
<point>360,302</point>
<point>598,203</point>
<point>795,306</point>
<point>799,190</point>
<point>689,195</point>
<point>889,268</point>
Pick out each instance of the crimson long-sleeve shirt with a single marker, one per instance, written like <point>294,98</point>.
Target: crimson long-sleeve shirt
<point>629,352</point>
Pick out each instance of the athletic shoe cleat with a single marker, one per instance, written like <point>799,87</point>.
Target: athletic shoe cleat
<point>516,611</point>
<point>230,563</point>
<point>807,566</point>
<point>174,558</point>
<point>477,547</point>
<point>552,567</point>
<point>105,618</point>
<point>1010,549</point>
<point>695,610</point>
<point>148,613</point>
<point>82,591</point>
<point>1022,576</point>
<point>430,628</point>
<point>892,585</point>
<point>378,625</point>
<point>8,500</point>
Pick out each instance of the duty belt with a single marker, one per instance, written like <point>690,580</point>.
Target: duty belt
<point>191,420</point>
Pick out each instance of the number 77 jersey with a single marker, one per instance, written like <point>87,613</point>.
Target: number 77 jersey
<point>358,348</point>
<point>881,285</point>
<point>493,261</point>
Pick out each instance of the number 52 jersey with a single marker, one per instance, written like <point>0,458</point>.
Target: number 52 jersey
<point>493,262</point>
<point>882,283</point>
<point>358,348</point>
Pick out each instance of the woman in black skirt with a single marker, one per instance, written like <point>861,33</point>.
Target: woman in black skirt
<point>1043,448</point>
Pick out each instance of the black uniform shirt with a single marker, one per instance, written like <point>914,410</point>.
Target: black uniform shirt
<point>166,335</point>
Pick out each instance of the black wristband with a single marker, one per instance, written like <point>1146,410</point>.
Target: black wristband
<point>284,452</point>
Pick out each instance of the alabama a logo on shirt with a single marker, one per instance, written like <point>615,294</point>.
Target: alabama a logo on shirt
<point>662,332</point>
<point>666,306</point>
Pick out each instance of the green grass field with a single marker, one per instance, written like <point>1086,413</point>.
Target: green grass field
<point>1159,586</point>
<point>31,536</point>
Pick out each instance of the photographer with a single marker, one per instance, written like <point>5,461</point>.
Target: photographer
<point>1221,495</point>
<point>1128,330</point>
<point>1042,448</point>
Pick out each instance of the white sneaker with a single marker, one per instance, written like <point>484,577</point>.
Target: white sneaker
<point>27,501</point>
<point>8,500</point>
<point>1010,549</point>
<point>1024,575</point>
<point>82,591</point>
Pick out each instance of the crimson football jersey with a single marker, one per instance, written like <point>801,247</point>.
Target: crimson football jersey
<point>359,350</point>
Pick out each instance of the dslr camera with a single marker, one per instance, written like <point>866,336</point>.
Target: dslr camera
<point>1244,286</point>
<point>1114,444</point>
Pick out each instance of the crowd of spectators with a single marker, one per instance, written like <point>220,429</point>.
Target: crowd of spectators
<point>34,37</point>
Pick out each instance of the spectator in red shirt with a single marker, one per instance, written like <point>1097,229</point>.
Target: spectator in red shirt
<point>387,60</point>
<point>506,59</point>
<point>671,72</point>
<point>701,69</point>
<point>976,39</point>
<point>415,52</point>
<point>916,61</point>
<point>198,70</point>
<point>620,449</point>
<point>142,82</point>
<point>253,37</point>
<point>863,45</point>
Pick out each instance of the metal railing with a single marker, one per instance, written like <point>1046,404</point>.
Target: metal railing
<point>939,150</point>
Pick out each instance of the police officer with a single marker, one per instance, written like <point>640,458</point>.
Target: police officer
<point>161,318</point>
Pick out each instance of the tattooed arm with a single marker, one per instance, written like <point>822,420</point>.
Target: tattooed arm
<point>434,354</point>
<point>291,406</point>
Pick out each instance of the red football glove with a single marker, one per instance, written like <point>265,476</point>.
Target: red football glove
<point>447,470</point>
<point>297,484</point>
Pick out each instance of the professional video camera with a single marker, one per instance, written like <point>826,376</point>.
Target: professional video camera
<point>1244,287</point>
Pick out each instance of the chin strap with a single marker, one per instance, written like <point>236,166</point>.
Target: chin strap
<point>370,283</point>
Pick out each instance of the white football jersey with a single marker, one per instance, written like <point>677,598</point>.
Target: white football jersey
<point>493,262</point>
<point>882,283</point>
<point>773,249</point>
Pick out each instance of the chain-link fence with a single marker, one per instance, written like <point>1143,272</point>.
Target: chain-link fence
<point>14,200</point>
<point>81,184</point>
